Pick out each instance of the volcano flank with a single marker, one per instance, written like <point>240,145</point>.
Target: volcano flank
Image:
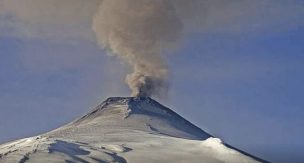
<point>125,129</point>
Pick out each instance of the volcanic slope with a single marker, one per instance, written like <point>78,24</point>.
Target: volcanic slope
<point>125,129</point>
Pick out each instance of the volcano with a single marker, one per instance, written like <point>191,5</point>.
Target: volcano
<point>125,129</point>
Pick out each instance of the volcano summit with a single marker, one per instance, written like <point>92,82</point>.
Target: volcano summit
<point>125,129</point>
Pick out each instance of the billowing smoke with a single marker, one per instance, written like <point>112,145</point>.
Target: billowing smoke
<point>139,32</point>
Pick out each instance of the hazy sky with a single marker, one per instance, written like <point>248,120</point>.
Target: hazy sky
<point>238,73</point>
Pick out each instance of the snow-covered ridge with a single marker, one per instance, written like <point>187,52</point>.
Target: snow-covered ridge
<point>142,114</point>
<point>135,105</point>
<point>125,129</point>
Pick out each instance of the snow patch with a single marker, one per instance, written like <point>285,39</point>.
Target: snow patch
<point>217,145</point>
<point>116,148</point>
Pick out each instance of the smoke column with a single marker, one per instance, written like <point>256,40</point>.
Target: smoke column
<point>138,31</point>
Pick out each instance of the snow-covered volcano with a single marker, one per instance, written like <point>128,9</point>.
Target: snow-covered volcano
<point>125,129</point>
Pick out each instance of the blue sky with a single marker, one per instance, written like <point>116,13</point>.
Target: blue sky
<point>247,90</point>
<point>243,85</point>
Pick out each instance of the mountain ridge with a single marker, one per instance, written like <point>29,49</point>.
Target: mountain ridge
<point>125,129</point>
<point>140,105</point>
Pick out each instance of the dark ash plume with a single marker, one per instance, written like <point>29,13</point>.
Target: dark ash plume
<point>138,31</point>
